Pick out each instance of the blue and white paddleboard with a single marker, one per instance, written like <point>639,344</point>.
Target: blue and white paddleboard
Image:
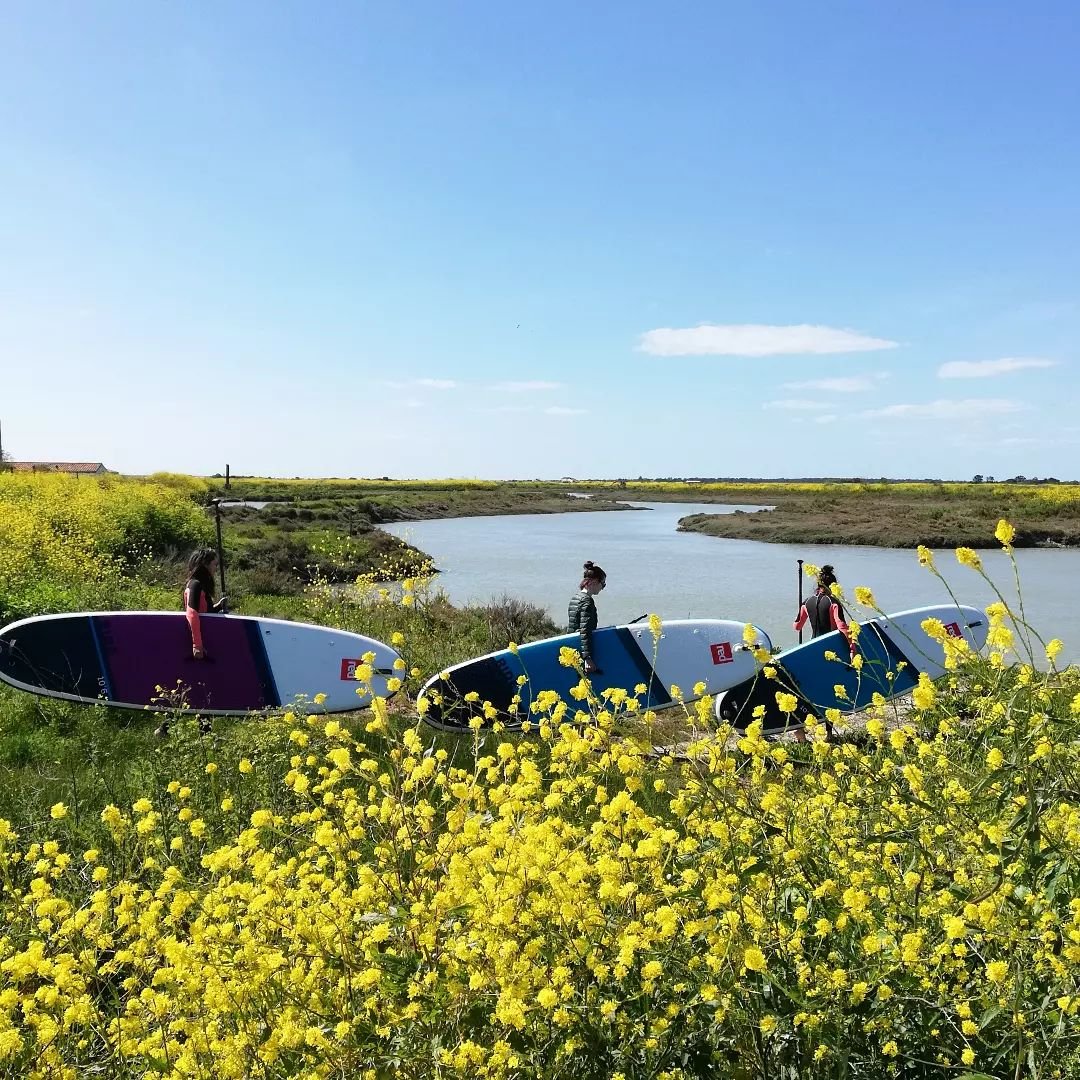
<point>894,648</point>
<point>688,652</point>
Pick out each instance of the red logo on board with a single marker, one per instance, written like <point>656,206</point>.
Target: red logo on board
<point>348,670</point>
<point>953,629</point>
<point>721,653</point>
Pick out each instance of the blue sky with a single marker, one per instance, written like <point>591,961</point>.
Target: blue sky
<point>484,239</point>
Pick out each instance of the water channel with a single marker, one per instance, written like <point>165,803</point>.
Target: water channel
<point>653,568</point>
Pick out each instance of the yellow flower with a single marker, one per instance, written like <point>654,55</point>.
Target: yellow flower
<point>319,699</point>
<point>786,703</point>
<point>397,638</point>
<point>245,765</point>
<point>924,694</point>
<point>749,634</point>
<point>1054,647</point>
<point>966,556</point>
<point>865,597</point>
<point>1004,534</point>
<point>58,811</point>
<point>925,556</point>
<point>656,627</point>
<point>767,1025</point>
<point>754,959</point>
<point>968,1056</point>
<point>997,971</point>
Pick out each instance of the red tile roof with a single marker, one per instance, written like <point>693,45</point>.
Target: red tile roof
<point>58,466</point>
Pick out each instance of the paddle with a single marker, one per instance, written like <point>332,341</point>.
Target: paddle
<point>799,608</point>
<point>220,550</point>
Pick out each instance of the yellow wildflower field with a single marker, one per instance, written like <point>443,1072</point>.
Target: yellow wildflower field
<point>320,897</point>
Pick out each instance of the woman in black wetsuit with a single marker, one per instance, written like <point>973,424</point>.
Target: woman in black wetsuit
<point>199,595</point>
<point>582,612</point>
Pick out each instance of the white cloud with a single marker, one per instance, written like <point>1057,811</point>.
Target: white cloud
<point>423,384</point>
<point>795,404</point>
<point>528,386</point>
<point>947,409</point>
<point>752,339</point>
<point>984,369</point>
<point>435,384</point>
<point>851,384</point>
<point>828,418</point>
<point>563,410</point>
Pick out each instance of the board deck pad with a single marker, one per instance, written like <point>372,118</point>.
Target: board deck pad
<point>137,660</point>
<point>895,650</point>
<point>688,651</point>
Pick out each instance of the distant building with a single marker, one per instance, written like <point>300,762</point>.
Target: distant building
<point>78,468</point>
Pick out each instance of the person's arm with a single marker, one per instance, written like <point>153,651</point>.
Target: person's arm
<point>836,617</point>
<point>800,622</point>
<point>192,601</point>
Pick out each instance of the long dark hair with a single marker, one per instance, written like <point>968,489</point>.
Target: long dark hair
<point>199,569</point>
<point>826,577</point>
<point>592,573</point>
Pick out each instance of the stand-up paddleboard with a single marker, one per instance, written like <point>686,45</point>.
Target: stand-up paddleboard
<point>894,648</point>
<point>689,651</point>
<point>123,658</point>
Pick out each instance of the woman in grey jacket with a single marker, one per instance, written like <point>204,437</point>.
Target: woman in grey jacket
<point>582,612</point>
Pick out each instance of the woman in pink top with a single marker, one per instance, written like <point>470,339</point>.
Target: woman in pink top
<point>199,595</point>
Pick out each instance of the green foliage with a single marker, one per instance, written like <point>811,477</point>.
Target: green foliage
<point>68,544</point>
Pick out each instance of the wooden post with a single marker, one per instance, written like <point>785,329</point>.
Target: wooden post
<point>226,477</point>
<point>220,548</point>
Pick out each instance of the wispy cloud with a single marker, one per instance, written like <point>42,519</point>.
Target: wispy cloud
<point>563,410</point>
<point>947,409</point>
<point>422,384</point>
<point>985,369</point>
<point>528,386</point>
<point>753,339</point>
<point>828,418</point>
<point>795,404</point>
<point>435,384</point>
<point>850,384</point>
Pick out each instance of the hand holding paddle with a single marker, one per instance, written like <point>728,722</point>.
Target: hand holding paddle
<point>798,610</point>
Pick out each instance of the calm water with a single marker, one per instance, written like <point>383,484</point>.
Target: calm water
<point>653,568</point>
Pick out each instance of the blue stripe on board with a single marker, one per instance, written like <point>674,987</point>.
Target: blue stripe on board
<point>106,681</point>
<point>262,661</point>
<point>885,669</point>
<point>621,661</point>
